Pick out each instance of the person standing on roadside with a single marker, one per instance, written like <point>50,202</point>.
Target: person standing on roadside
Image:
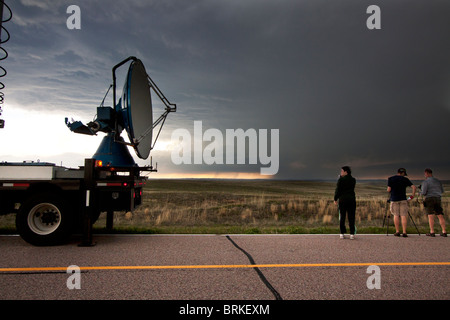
<point>345,197</point>
<point>432,190</point>
<point>398,203</point>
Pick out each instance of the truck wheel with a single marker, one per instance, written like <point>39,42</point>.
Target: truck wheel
<point>43,220</point>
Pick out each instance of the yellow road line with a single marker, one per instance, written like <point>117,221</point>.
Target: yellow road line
<point>302,265</point>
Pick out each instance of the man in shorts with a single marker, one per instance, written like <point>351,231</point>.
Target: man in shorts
<point>399,205</point>
<point>432,190</point>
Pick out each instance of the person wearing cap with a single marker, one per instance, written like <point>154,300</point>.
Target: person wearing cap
<point>398,202</point>
<point>432,190</point>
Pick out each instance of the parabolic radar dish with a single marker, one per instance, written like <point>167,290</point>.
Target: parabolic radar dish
<point>137,109</point>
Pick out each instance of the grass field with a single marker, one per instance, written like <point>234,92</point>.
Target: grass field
<point>258,206</point>
<point>254,206</point>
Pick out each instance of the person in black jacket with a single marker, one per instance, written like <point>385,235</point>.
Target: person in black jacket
<point>345,197</point>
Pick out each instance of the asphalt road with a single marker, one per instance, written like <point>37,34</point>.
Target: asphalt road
<point>234,267</point>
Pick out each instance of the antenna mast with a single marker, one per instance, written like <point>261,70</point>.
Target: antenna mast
<point>4,55</point>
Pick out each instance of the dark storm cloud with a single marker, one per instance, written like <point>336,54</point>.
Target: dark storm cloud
<point>339,93</point>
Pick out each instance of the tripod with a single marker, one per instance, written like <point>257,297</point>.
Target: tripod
<point>387,215</point>
<point>413,223</point>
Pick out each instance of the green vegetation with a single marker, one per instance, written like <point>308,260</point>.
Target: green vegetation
<point>253,207</point>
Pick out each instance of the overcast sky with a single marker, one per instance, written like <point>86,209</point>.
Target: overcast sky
<point>339,93</point>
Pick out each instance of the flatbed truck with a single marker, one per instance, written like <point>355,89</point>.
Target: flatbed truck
<point>52,202</point>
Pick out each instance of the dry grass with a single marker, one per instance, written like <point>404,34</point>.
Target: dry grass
<point>267,206</point>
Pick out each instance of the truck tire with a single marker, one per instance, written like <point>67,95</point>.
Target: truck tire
<point>44,220</point>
